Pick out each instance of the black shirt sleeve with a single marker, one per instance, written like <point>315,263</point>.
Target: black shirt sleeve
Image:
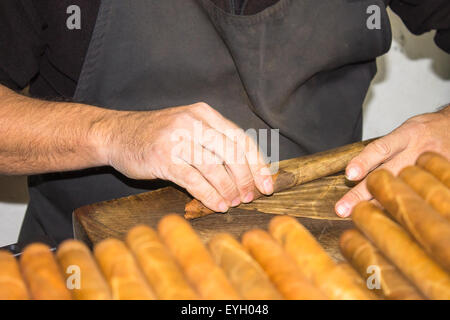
<point>21,45</point>
<point>421,16</point>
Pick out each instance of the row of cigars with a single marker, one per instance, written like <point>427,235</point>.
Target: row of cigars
<point>406,235</point>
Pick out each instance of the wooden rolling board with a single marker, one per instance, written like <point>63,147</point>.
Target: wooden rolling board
<point>312,203</point>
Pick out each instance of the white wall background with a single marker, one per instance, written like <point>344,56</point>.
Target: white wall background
<point>413,78</point>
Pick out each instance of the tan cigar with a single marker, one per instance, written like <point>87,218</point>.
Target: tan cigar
<point>437,165</point>
<point>314,262</point>
<point>356,277</point>
<point>159,267</point>
<point>281,268</point>
<point>12,286</point>
<point>244,272</point>
<point>198,265</point>
<point>426,225</point>
<point>364,256</point>
<point>297,171</point>
<point>81,270</point>
<point>42,274</point>
<point>124,277</point>
<point>396,244</point>
<point>429,188</point>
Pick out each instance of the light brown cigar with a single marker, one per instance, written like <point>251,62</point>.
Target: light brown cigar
<point>429,188</point>
<point>297,171</point>
<point>314,262</point>
<point>74,257</point>
<point>402,251</point>
<point>280,267</point>
<point>357,279</point>
<point>363,255</point>
<point>158,265</point>
<point>244,272</point>
<point>426,225</point>
<point>121,271</point>
<point>195,260</point>
<point>42,274</point>
<point>437,165</point>
<point>12,286</point>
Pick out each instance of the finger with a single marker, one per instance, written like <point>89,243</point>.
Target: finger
<point>259,168</point>
<point>246,151</point>
<point>357,194</point>
<point>212,169</point>
<point>234,159</point>
<point>360,192</point>
<point>376,153</point>
<point>192,180</point>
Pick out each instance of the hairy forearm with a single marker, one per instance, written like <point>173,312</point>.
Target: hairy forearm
<point>41,136</point>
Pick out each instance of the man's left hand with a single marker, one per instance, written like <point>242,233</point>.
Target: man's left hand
<point>400,148</point>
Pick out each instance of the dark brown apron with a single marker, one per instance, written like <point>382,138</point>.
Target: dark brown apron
<point>300,66</point>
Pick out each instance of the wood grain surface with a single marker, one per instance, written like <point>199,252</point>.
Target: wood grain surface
<point>312,204</point>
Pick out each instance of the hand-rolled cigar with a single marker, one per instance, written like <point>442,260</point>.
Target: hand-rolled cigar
<point>396,244</point>
<point>297,171</point>
<point>75,258</point>
<point>244,272</point>
<point>12,286</point>
<point>198,265</point>
<point>159,267</point>
<point>314,262</point>
<point>281,268</point>
<point>426,225</point>
<point>124,277</point>
<point>437,165</point>
<point>429,188</point>
<point>42,274</point>
<point>363,255</point>
<point>356,277</point>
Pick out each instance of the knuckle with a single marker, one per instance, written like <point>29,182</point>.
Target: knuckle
<point>246,184</point>
<point>210,196</point>
<point>227,189</point>
<point>356,195</point>
<point>202,106</point>
<point>381,147</point>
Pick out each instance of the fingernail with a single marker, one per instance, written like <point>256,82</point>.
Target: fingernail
<point>223,207</point>
<point>353,173</point>
<point>249,197</point>
<point>236,202</point>
<point>343,209</point>
<point>268,186</point>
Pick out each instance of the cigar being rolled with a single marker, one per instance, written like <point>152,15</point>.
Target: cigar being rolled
<point>297,171</point>
<point>198,265</point>
<point>42,274</point>
<point>12,286</point>
<point>437,165</point>
<point>363,255</point>
<point>396,244</point>
<point>314,262</point>
<point>244,272</point>
<point>356,277</point>
<point>429,188</point>
<point>281,268</point>
<point>124,277</point>
<point>426,225</point>
<point>158,265</point>
<point>74,257</point>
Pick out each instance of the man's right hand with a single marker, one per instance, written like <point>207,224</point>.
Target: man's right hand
<point>193,146</point>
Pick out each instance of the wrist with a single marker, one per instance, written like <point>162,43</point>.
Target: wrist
<point>101,134</point>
